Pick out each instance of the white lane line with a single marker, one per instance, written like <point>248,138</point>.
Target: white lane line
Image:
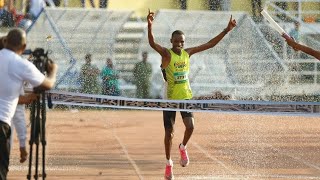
<point>133,163</point>
<point>211,157</point>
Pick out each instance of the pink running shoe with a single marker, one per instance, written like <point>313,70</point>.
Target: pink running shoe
<point>184,161</point>
<point>168,174</point>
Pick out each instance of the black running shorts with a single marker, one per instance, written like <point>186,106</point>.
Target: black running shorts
<point>169,117</point>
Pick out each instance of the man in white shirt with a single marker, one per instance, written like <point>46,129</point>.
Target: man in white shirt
<point>19,123</point>
<point>19,120</point>
<point>36,7</point>
<point>14,71</point>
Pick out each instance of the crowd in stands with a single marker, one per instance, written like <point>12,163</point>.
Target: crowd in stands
<point>10,17</point>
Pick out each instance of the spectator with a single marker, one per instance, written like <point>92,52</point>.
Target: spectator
<point>35,8</point>
<point>20,20</point>
<point>24,23</point>
<point>14,71</point>
<point>6,17</point>
<point>83,3</point>
<point>183,4</point>
<point>142,74</point>
<point>103,3</point>
<point>89,77</point>
<point>215,5</point>
<point>109,76</point>
<point>19,123</point>
<point>256,10</point>
<point>57,2</point>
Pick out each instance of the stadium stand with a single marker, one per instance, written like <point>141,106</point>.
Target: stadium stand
<point>235,65</point>
<point>243,64</point>
<point>73,33</point>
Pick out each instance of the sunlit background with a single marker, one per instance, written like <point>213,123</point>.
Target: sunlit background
<point>253,62</point>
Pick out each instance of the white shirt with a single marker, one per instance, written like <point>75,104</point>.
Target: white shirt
<point>14,71</point>
<point>19,124</point>
<point>36,7</point>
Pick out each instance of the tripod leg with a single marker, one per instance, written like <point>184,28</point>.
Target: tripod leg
<point>37,161</point>
<point>38,122</point>
<point>37,132</point>
<point>43,136</point>
<point>32,136</point>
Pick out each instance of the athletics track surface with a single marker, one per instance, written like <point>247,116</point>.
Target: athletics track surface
<point>118,144</point>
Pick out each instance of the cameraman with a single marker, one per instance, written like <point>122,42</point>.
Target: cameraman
<point>14,71</point>
<point>18,121</point>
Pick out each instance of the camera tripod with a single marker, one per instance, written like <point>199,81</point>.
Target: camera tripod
<point>38,120</point>
<point>37,135</point>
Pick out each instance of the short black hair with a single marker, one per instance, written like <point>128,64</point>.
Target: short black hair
<point>16,38</point>
<point>178,32</point>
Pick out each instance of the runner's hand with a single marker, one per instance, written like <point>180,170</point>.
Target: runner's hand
<point>150,17</point>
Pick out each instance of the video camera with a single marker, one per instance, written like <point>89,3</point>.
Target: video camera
<point>39,58</point>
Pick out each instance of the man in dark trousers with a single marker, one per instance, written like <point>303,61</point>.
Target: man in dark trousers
<point>14,71</point>
<point>175,64</point>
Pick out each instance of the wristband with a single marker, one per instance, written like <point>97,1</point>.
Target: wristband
<point>225,31</point>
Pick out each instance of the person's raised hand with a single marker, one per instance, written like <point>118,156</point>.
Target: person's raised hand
<point>290,41</point>
<point>150,17</point>
<point>232,23</point>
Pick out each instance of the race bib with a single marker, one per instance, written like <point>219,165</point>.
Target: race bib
<point>180,77</point>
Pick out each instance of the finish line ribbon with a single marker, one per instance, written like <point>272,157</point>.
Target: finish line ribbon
<point>103,101</point>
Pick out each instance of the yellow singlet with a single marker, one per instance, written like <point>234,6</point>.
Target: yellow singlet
<point>177,76</point>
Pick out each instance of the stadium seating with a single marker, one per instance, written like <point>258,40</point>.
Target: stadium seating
<point>74,33</point>
<point>243,64</point>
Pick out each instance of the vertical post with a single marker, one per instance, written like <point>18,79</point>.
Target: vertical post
<point>299,10</point>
